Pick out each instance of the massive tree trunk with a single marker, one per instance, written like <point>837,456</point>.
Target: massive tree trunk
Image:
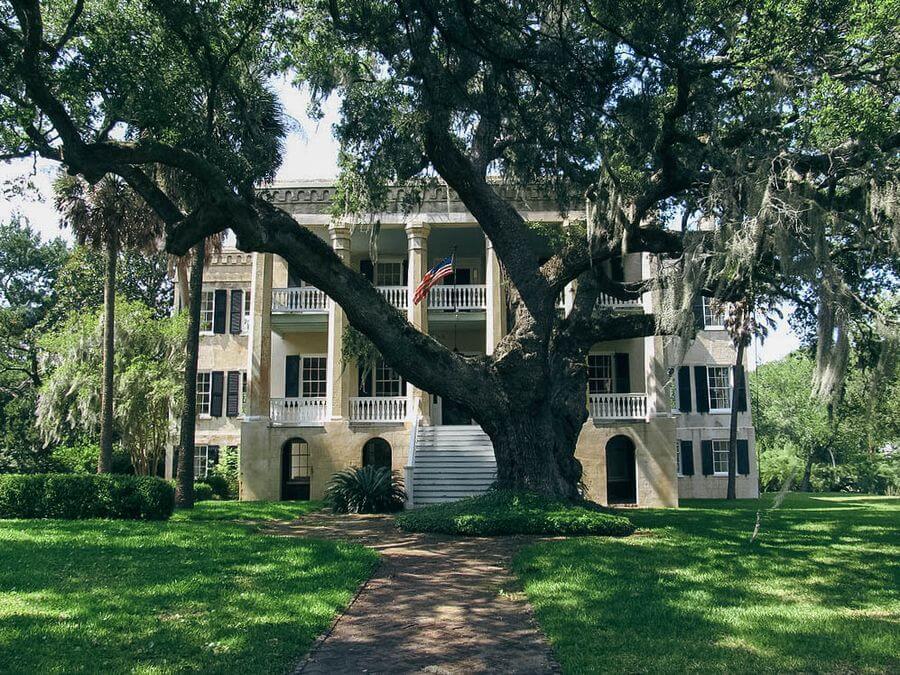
<point>104,462</point>
<point>733,421</point>
<point>184,486</point>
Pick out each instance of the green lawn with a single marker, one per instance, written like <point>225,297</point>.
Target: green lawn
<point>819,591</point>
<point>199,593</point>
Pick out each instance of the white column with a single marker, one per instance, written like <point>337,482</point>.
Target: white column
<point>259,354</point>
<point>338,376</point>
<point>417,250</point>
<point>495,316</point>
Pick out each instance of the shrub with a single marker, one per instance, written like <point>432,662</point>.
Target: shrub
<point>203,492</point>
<point>500,512</point>
<point>85,496</point>
<point>223,476</point>
<point>218,484</point>
<point>370,489</point>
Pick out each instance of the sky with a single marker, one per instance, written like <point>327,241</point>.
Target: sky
<point>310,152</point>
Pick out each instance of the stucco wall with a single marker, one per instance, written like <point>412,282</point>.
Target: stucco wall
<point>654,459</point>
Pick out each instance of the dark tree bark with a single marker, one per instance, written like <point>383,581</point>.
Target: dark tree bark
<point>733,421</point>
<point>184,486</point>
<point>104,462</point>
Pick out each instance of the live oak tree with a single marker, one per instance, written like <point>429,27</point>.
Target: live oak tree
<point>648,116</point>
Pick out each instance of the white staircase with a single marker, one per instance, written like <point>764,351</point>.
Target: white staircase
<point>450,463</point>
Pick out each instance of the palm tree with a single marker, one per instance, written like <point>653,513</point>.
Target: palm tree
<point>107,215</point>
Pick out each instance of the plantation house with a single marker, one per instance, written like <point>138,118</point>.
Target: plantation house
<point>272,381</point>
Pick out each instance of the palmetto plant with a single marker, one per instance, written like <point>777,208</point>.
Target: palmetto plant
<point>369,489</point>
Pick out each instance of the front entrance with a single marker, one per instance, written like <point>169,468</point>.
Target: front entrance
<point>295,470</point>
<point>377,452</point>
<point>621,485</point>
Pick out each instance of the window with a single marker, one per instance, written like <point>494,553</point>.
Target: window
<point>720,457</point>
<point>201,461</point>
<point>314,376</point>
<point>204,393</point>
<point>712,316</point>
<point>678,458</point>
<point>207,310</point>
<point>389,274</point>
<point>600,373</point>
<point>299,467</point>
<point>245,317</point>
<point>719,387</point>
<point>244,393</point>
<point>387,381</point>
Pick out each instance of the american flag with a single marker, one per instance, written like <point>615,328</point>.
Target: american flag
<point>443,269</point>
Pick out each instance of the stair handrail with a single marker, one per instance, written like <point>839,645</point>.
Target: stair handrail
<point>408,470</point>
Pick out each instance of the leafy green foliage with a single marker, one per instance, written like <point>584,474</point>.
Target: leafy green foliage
<point>369,489</point>
<point>148,372</point>
<point>816,591</point>
<point>501,512</point>
<point>203,492</point>
<point>223,476</point>
<point>85,496</point>
<point>200,593</point>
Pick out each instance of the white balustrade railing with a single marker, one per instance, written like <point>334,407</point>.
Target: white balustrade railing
<point>305,299</point>
<point>618,406</point>
<point>396,295</point>
<point>610,301</point>
<point>297,411</point>
<point>463,296</point>
<point>378,409</point>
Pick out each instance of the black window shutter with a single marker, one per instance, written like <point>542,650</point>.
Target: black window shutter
<point>406,280</point>
<point>706,453</point>
<point>622,372</point>
<point>215,399</point>
<point>237,311</point>
<point>617,269</point>
<point>740,381</point>
<point>697,308</point>
<point>233,394</point>
<point>687,458</point>
<point>220,299</point>
<point>702,389</point>
<point>294,279</point>
<point>684,389</point>
<point>743,457</point>
<point>291,376</point>
<point>212,455</point>
<point>368,270</point>
<point>364,379</point>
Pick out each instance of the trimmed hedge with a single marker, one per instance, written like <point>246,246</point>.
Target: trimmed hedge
<point>203,492</point>
<point>73,496</point>
<point>500,512</point>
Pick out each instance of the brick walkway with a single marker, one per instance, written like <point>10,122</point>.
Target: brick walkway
<point>436,604</point>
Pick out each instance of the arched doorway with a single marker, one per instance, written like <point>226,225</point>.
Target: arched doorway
<point>377,452</point>
<point>621,486</point>
<point>295,469</point>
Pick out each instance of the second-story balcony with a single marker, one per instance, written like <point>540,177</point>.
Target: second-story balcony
<point>631,406</point>
<point>300,300</point>
<point>298,412</point>
<point>607,301</point>
<point>310,300</point>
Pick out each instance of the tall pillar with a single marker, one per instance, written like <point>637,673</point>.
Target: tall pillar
<point>338,377</point>
<point>495,316</point>
<point>259,354</point>
<point>417,250</point>
<point>260,472</point>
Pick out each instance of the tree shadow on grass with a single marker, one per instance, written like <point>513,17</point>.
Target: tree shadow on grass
<point>817,591</point>
<point>90,596</point>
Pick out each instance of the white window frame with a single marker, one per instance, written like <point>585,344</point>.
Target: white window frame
<point>712,320</point>
<point>727,389</point>
<point>612,375</point>
<point>378,271</point>
<point>207,307</point>
<point>719,447</point>
<point>246,310</point>
<point>204,394</point>
<point>201,459</point>
<point>678,460</point>
<point>242,401</point>
<point>302,378</point>
<point>390,376</point>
